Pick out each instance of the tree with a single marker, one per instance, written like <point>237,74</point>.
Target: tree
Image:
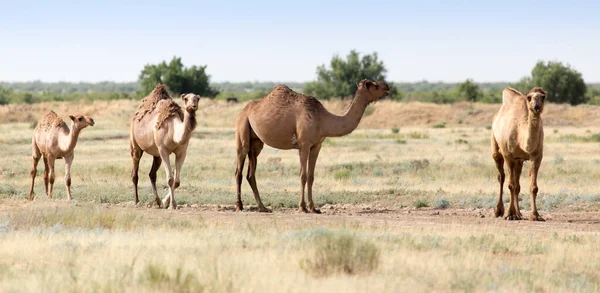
<point>469,91</point>
<point>341,79</point>
<point>562,83</point>
<point>5,96</point>
<point>177,77</point>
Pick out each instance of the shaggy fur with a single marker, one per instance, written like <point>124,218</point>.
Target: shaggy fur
<point>149,103</point>
<point>167,109</point>
<point>50,121</point>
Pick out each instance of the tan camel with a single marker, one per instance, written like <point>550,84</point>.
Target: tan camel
<point>518,136</point>
<point>287,120</point>
<point>53,140</point>
<point>160,127</point>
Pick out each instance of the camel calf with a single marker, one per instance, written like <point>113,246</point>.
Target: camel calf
<point>53,140</point>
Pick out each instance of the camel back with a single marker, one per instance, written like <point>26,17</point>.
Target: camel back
<point>51,120</point>
<point>149,103</point>
<point>285,96</point>
<point>511,96</point>
<point>167,109</point>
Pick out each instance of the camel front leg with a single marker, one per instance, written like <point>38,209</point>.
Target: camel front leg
<point>156,161</point>
<point>511,213</point>
<point>533,189</point>
<point>68,163</point>
<point>179,159</point>
<point>50,175</point>
<point>169,198</point>
<point>518,169</point>
<point>36,155</point>
<point>312,161</point>
<point>304,151</point>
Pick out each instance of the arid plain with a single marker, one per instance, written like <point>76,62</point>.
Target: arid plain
<point>407,199</point>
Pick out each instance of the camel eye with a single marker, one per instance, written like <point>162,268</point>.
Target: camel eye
<point>528,98</point>
<point>80,118</point>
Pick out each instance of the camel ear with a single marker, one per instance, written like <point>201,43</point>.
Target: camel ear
<point>368,83</point>
<point>72,117</point>
<point>183,97</point>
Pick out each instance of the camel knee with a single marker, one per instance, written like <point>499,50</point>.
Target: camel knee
<point>511,187</point>
<point>310,179</point>
<point>177,183</point>
<point>33,172</point>
<point>501,177</point>
<point>134,178</point>
<point>303,178</point>
<point>170,181</point>
<point>68,181</point>
<point>534,190</point>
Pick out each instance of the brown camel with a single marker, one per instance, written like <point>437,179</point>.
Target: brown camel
<point>518,136</point>
<point>53,140</point>
<point>160,127</point>
<point>287,120</point>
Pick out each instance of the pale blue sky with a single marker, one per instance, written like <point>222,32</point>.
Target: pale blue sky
<point>287,40</point>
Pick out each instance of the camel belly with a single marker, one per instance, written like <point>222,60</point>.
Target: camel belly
<point>278,136</point>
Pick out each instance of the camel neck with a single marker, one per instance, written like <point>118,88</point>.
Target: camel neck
<point>187,126</point>
<point>334,125</point>
<point>534,125</point>
<point>69,139</point>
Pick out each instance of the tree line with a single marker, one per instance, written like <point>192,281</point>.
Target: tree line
<point>338,79</point>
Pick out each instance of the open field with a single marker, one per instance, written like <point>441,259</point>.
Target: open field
<point>414,186</point>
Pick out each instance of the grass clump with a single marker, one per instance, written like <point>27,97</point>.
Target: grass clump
<point>395,130</point>
<point>342,174</point>
<point>340,253</point>
<point>158,278</point>
<point>440,125</point>
<point>420,203</point>
<point>418,135</point>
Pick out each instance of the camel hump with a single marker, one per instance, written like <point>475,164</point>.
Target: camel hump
<point>51,120</point>
<point>167,109</point>
<point>510,96</point>
<point>149,103</point>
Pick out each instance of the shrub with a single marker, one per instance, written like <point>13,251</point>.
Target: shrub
<point>395,130</point>
<point>340,253</point>
<point>441,203</point>
<point>440,125</point>
<point>342,174</point>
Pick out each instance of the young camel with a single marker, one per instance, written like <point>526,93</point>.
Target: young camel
<point>53,140</point>
<point>160,127</point>
<point>518,136</point>
<point>287,120</point>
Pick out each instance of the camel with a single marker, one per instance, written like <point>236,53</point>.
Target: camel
<point>53,140</point>
<point>518,136</point>
<point>160,127</point>
<point>287,120</point>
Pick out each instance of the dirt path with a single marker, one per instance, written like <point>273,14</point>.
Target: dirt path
<point>473,219</point>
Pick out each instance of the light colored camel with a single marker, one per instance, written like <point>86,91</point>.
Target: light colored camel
<point>52,139</point>
<point>287,120</point>
<point>518,136</point>
<point>160,127</point>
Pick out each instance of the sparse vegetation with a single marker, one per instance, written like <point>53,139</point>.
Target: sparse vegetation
<point>420,203</point>
<point>340,253</point>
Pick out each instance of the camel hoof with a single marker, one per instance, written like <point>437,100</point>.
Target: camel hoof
<point>239,206</point>
<point>498,212</point>
<point>315,211</point>
<point>533,217</point>
<point>264,210</point>
<point>302,210</point>
<point>512,218</point>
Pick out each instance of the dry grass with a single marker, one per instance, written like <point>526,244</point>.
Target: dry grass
<point>101,242</point>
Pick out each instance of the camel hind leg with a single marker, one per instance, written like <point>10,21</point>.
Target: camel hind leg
<point>499,159</point>
<point>36,155</point>
<point>136,155</point>
<point>242,137</point>
<point>256,146</point>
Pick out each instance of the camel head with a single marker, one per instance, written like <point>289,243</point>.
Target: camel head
<point>81,122</point>
<point>191,102</point>
<point>535,100</point>
<point>373,90</point>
